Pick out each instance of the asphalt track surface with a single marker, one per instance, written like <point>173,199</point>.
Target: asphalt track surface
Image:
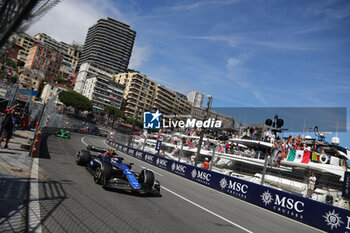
<point>70,201</point>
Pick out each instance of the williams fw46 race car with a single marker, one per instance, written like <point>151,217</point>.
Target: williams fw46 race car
<point>111,172</point>
<point>97,149</point>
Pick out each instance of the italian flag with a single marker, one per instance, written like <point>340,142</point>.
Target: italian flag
<point>299,156</point>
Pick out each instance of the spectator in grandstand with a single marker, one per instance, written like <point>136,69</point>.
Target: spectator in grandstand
<point>206,163</point>
<point>311,184</point>
<point>320,149</point>
<point>252,153</point>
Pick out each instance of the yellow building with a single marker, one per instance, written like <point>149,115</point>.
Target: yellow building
<point>30,79</point>
<point>142,94</point>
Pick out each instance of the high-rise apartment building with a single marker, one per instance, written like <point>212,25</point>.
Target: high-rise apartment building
<point>142,94</point>
<point>196,98</point>
<point>44,59</point>
<point>96,83</point>
<point>109,44</point>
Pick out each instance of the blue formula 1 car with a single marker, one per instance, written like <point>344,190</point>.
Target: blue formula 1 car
<point>111,172</point>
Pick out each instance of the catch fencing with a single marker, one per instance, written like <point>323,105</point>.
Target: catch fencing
<point>317,214</point>
<point>262,167</point>
<point>51,120</point>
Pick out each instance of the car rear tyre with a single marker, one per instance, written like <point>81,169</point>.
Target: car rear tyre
<point>83,157</point>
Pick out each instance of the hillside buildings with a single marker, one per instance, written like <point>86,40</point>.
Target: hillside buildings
<point>196,98</point>
<point>96,83</point>
<point>44,59</point>
<point>70,52</point>
<point>142,94</point>
<point>25,42</point>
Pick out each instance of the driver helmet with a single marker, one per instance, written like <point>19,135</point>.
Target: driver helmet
<point>206,159</point>
<point>113,152</point>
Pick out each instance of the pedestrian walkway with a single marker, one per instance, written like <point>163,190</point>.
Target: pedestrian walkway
<point>15,169</point>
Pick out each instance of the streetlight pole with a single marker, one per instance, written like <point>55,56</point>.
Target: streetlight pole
<point>210,99</point>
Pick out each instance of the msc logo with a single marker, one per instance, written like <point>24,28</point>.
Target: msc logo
<point>149,158</point>
<point>200,175</point>
<point>162,163</point>
<point>284,202</point>
<point>139,155</point>
<point>151,120</point>
<point>131,151</point>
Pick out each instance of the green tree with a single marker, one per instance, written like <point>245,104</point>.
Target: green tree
<point>14,79</point>
<point>137,123</point>
<point>75,100</point>
<point>8,62</point>
<point>60,81</point>
<point>113,113</point>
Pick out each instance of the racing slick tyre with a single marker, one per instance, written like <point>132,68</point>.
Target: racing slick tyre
<point>106,173</point>
<point>147,177</point>
<point>83,157</point>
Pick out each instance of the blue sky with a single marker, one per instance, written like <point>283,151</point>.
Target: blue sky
<point>261,53</point>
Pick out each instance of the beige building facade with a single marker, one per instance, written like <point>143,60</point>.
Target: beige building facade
<point>142,94</point>
<point>25,42</point>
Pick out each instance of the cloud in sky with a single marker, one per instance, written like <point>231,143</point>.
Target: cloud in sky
<point>70,19</point>
<point>194,5</point>
<point>139,56</point>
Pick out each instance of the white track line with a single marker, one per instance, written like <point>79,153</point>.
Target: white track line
<point>34,205</point>
<point>82,140</point>
<point>205,209</point>
<point>104,141</point>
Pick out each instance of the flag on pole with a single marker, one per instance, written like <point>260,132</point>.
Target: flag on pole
<point>291,155</point>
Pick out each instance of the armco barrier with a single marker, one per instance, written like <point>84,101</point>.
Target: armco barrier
<point>317,214</point>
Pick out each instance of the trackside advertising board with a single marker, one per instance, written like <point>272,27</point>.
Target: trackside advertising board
<point>317,214</point>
